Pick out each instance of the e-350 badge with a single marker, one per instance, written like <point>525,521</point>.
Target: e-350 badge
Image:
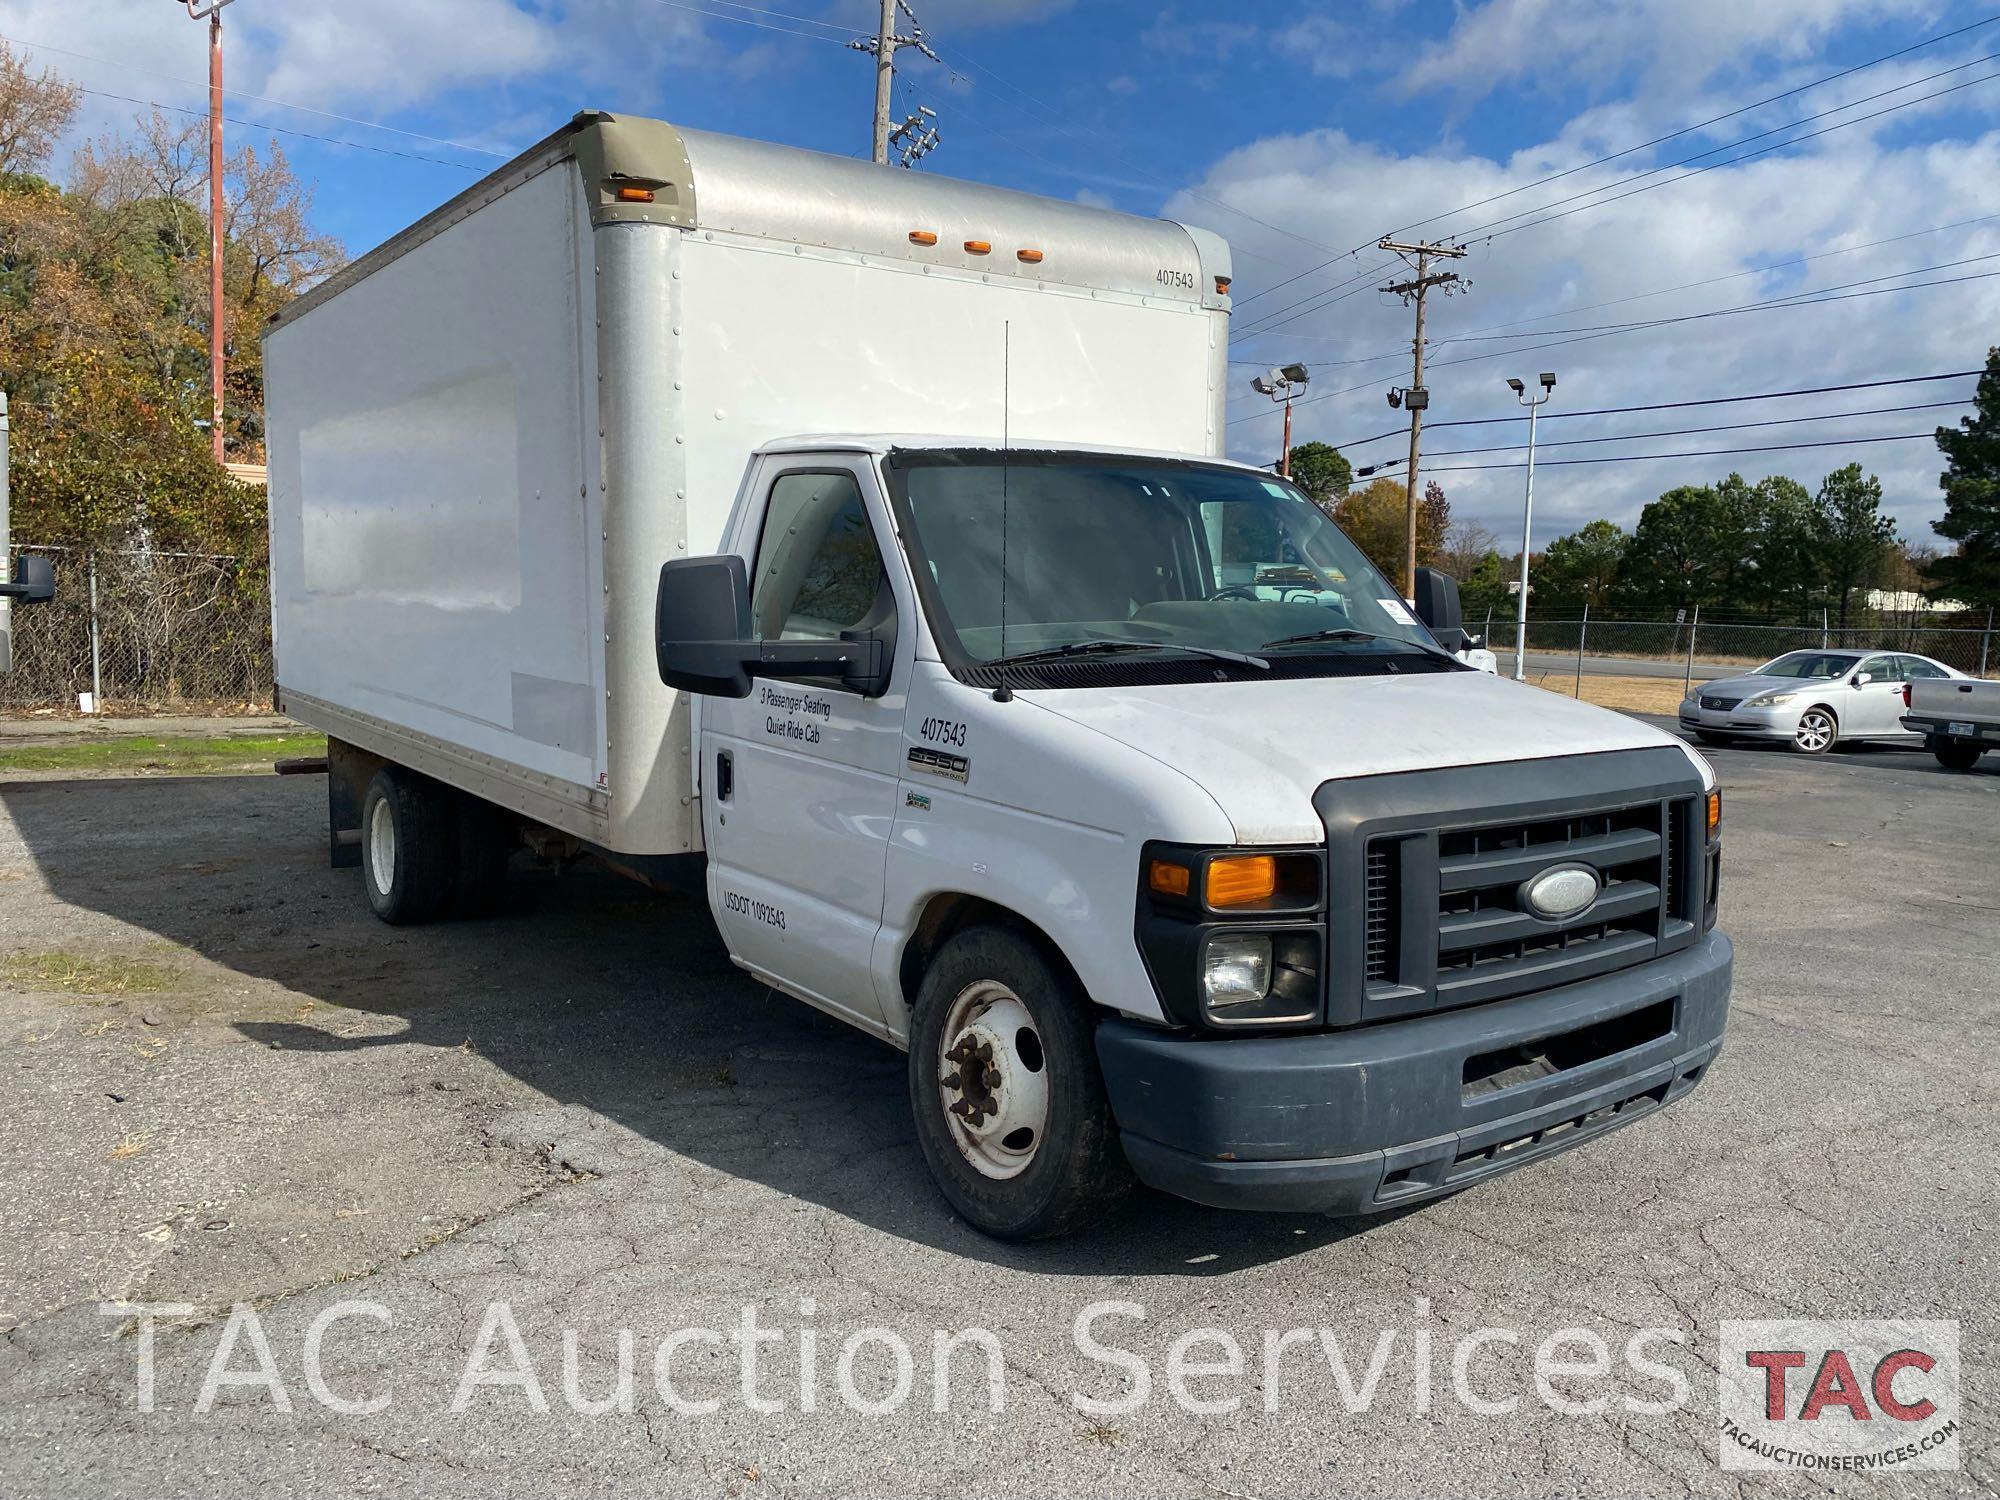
<point>939,763</point>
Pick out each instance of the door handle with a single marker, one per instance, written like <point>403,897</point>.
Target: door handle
<point>725,775</point>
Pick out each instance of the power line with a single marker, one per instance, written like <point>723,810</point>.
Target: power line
<point>1686,286</point>
<point>1055,118</point>
<point>1642,146</point>
<point>720,15</point>
<point>1487,233</point>
<point>304,135</point>
<point>1629,437</point>
<point>325,114</point>
<point>1635,458</point>
<point>1619,411</point>
<point>1794,300</point>
<point>1491,231</point>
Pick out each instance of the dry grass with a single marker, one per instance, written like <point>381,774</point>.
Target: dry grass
<point>84,973</point>
<point>1632,695</point>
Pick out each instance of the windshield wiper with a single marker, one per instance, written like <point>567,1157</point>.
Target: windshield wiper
<point>1107,647</point>
<point>1349,633</point>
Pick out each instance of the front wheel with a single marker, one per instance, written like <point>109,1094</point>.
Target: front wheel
<point>1956,755</point>
<point>1010,1105</point>
<point>1817,732</point>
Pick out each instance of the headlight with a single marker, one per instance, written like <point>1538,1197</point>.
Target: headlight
<point>1236,970</point>
<point>1770,700</point>
<point>1234,938</point>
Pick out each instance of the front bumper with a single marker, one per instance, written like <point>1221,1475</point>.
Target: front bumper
<point>1779,723</point>
<point>1375,1117</point>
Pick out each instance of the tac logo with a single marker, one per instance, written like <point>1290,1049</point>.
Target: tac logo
<point>1849,1396</point>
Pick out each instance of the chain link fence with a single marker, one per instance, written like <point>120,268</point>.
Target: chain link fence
<point>1718,648</point>
<point>143,632</point>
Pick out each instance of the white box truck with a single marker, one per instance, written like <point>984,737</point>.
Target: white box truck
<point>858,542</point>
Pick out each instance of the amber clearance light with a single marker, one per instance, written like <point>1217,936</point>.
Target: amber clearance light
<point>1241,880</point>
<point>1714,811</point>
<point>1167,878</point>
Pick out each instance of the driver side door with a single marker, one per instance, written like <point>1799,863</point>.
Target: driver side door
<point>799,779</point>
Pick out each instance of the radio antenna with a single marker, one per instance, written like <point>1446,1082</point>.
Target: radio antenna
<point>1004,693</point>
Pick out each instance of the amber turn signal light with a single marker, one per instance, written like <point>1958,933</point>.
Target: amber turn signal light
<point>1241,880</point>
<point>1167,878</point>
<point>1714,811</point>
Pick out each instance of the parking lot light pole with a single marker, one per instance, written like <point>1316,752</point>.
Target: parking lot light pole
<point>1281,385</point>
<point>1534,405</point>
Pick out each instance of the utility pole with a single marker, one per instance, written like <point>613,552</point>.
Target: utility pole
<point>884,45</point>
<point>217,318</point>
<point>1416,398</point>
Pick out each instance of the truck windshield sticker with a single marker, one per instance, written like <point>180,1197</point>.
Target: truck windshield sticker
<point>938,763</point>
<point>1396,610</point>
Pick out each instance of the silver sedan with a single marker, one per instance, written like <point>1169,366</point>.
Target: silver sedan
<point>1815,699</point>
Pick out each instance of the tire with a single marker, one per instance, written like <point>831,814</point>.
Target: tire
<point>1032,1032</point>
<point>1818,731</point>
<point>409,847</point>
<point>1718,741</point>
<point>1956,755</point>
<point>486,840</point>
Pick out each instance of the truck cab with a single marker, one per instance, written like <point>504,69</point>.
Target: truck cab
<point>1253,893</point>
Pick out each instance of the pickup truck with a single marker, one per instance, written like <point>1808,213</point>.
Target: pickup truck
<point>1959,718</point>
<point>856,546</point>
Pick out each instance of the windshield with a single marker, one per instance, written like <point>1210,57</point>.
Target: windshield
<point>1808,664</point>
<point>1055,550</point>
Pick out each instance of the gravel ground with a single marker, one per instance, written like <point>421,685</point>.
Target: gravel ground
<point>228,1084</point>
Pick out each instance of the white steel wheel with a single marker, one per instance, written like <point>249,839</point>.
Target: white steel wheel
<point>1817,731</point>
<point>382,845</point>
<point>993,1080</point>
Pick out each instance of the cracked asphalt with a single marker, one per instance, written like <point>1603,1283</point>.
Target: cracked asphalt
<point>582,1112</point>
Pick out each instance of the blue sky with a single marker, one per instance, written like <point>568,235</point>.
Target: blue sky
<point>1299,132</point>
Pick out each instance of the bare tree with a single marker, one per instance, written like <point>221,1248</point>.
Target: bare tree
<point>35,109</point>
<point>1465,543</point>
<point>270,228</point>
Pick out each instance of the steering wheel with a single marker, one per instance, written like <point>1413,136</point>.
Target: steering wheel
<point>1235,591</point>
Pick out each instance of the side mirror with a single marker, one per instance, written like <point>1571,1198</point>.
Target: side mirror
<point>1437,607</point>
<point>34,580</point>
<point>704,642</point>
<point>1862,679</point>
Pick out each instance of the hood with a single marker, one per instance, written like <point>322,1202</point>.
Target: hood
<point>1752,685</point>
<point>1261,749</point>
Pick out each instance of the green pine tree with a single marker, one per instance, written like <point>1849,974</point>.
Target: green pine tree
<point>1971,487</point>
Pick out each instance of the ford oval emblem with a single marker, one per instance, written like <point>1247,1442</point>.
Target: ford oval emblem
<point>1561,892</point>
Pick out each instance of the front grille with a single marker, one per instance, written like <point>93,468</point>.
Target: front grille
<point>1380,906</point>
<point>1427,869</point>
<point>1721,704</point>
<point>1490,944</point>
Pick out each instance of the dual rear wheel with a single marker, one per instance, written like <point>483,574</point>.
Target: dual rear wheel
<point>429,852</point>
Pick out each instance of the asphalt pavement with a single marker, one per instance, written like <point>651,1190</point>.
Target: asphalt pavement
<point>583,1115</point>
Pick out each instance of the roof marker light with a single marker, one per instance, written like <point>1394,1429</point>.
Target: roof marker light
<point>922,237</point>
<point>978,247</point>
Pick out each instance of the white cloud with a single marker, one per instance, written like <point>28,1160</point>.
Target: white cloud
<point>1676,44</point>
<point>1846,190</point>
